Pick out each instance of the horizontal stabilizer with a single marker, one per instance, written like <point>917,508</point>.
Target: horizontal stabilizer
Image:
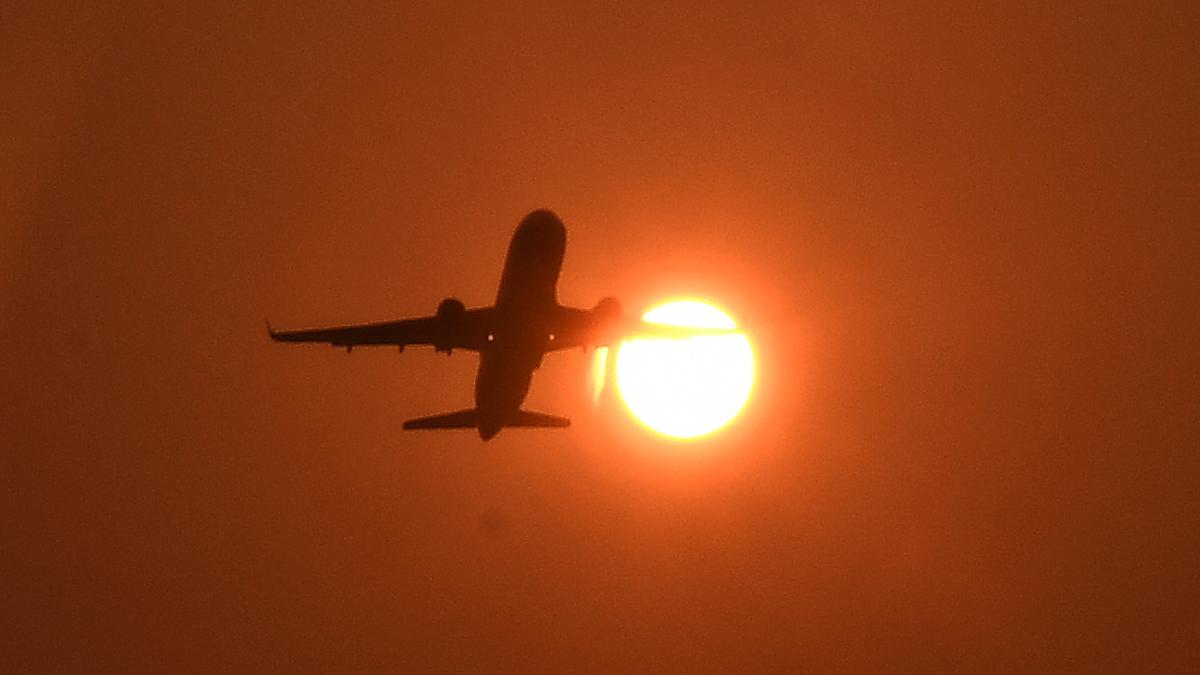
<point>468,419</point>
<point>463,419</point>
<point>526,418</point>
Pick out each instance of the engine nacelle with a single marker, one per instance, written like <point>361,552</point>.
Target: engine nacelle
<point>451,308</point>
<point>449,316</point>
<point>608,309</point>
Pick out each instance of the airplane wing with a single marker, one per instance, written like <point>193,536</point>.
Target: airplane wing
<point>466,330</point>
<point>575,327</point>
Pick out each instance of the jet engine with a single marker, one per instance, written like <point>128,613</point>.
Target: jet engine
<point>449,317</point>
<point>608,309</point>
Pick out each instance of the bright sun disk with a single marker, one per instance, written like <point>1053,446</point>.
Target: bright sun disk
<point>686,387</point>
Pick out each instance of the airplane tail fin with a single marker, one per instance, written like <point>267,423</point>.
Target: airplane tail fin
<point>468,419</point>
<point>462,419</point>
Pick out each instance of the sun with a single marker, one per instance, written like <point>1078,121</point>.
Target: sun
<point>688,387</point>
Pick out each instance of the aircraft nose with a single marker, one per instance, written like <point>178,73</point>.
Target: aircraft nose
<point>542,228</point>
<point>543,220</point>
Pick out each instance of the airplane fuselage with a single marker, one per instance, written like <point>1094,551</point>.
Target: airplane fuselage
<point>525,306</point>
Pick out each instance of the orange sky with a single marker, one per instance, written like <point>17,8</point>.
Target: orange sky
<point>967,239</point>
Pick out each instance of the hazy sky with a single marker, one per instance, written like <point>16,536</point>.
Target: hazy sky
<point>966,240</point>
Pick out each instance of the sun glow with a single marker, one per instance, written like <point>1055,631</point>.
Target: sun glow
<point>687,387</point>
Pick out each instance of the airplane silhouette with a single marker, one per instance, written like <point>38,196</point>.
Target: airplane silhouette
<point>511,336</point>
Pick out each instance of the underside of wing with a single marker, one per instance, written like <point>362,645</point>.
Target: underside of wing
<point>465,330</point>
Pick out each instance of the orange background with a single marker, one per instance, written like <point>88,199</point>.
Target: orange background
<point>965,238</point>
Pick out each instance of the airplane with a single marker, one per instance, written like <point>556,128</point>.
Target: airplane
<point>512,336</point>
